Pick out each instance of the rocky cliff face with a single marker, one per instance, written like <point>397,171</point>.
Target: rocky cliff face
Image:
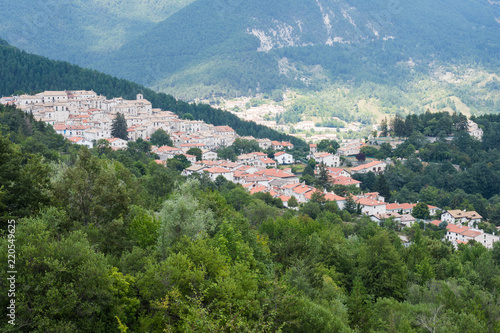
<point>327,23</point>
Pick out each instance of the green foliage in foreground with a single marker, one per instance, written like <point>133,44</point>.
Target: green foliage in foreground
<point>120,243</point>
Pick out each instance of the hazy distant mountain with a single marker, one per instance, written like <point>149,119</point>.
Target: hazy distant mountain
<point>79,30</point>
<point>197,48</point>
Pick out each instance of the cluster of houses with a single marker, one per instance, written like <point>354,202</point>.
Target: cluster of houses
<point>258,173</point>
<point>85,117</point>
<point>461,226</point>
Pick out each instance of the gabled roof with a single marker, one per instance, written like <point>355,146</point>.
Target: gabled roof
<point>217,170</point>
<point>258,188</point>
<point>367,165</point>
<point>230,164</point>
<point>369,202</point>
<point>398,206</point>
<point>195,167</point>
<point>322,155</point>
<point>164,149</point>
<point>267,160</point>
<point>461,214</point>
<point>407,218</point>
<point>302,189</point>
<point>334,197</point>
<point>239,173</point>
<point>75,139</point>
<point>471,233</point>
<point>336,171</point>
<point>290,186</point>
<point>223,129</point>
<point>255,178</point>
<point>276,173</point>
<point>244,167</point>
<point>309,194</point>
<point>342,180</point>
<point>455,228</point>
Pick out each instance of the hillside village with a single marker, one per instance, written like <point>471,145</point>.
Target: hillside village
<point>84,117</point>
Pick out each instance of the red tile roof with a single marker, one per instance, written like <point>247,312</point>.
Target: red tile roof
<point>302,189</point>
<point>342,180</point>
<point>369,202</point>
<point>167,149</point>
<point>334,197</point>
<point>284,198</point>
<point>471,233</point>
<point>276,173</point>
<point>436,222</point>
<point>75,139</point>
<point>398,206</point>
<point>366,166</point>
<point>217,170</point>
<point>258,189</point>
<point>290,186</point>
<point>223,129</point>
<point>455,228</point>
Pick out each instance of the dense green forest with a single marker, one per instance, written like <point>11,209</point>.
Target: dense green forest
<point>21,71</point>
<point>110,241</point>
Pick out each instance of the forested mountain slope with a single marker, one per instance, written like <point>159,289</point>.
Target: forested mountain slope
<point>21,71</point>
<point>203,47</point>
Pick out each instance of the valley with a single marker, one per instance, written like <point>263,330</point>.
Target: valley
<point>355,111</point>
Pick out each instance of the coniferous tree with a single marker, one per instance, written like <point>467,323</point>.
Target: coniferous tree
<point>350,204</point>
<point>382,187</point>
<point>359,304</point>
<point>398,125</point>
<point>119,127</point>
<point>383,127</point>
<point>323,179</point>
